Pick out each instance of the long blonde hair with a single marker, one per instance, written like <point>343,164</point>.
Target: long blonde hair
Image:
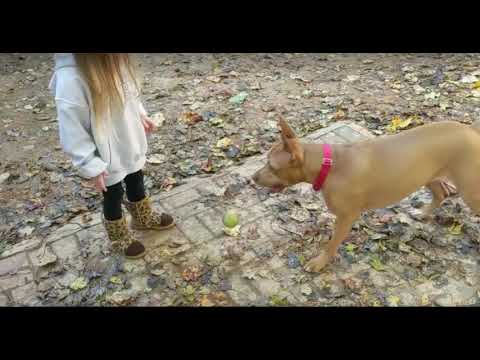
<point>106,74</point>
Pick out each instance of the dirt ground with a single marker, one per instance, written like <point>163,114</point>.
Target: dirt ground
<point>39,189</point>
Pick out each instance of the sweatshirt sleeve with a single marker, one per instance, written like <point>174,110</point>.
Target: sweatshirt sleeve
<point>76,139</point>
<point>143,112</point>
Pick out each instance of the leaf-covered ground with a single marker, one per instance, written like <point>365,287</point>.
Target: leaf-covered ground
<point>216,110</point>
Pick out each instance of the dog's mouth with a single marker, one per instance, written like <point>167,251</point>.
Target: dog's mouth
<point>277,188</point>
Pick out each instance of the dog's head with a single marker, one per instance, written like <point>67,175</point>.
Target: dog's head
<point>284,162</point>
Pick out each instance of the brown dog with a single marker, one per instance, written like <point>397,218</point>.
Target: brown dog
<point>379,172</point>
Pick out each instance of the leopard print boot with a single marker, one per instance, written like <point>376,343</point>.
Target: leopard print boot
<point>123,240</point>
<point>145,217</point>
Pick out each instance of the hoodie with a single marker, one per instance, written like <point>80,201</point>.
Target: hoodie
<point>116,145</point>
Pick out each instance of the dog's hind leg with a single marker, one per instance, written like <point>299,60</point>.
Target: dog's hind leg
<point>440,191</point>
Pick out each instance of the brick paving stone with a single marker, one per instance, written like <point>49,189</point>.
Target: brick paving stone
<point>66,248</point>
<point>23,246</point>
<point>3,300</point>
<point>213,220</point>
<point>347,133</point>
<point>13,263</point>
<point>64,231</point>
<point>22,277</point>
<point>210,251</point>
<point>153,239</point>
<point>241,293</point>
<point>178,200</point>
<point>332,138</point>
<point>266,287</point>
<point>195,231</point>
<point>249,169</point>
<point>42,256</point>
<point>26,295</point>
<point>188,210</point>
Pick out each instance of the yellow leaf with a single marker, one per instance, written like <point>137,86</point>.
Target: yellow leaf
<point>234,232</point>
<point>224,143</point>
<point>456,229</point>
<point>78,284</point>
<point>205,301</point>
<point>350,247</point>
<point>377,264</point>
<point>399,123</point>
<point>116,280</point>
<point>476,85</point>
<point>393,300</point>
<point>425,300</point>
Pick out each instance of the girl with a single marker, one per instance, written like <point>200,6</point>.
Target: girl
<point>103,127</point>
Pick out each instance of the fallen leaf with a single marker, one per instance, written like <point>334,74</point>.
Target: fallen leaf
<point>26,231</point>
<point>206,302</point>
<point>215,79</point>
<point>224,143</point>
<point>158,119</point>
<point>298,77</point>
<point>191,274</point>
<point>468,79</point>
<point>78,284</point>
<point>299,214</point>
<point>208,166</point>
<point>4,177</point>
<point>432,95</point>
<point>340,114</point>
<point>216,121</point>
<point>168,184</point>
<point>191,118</point>
<point>350,248</point>
<point>393,300</point>
<point>276,300</point>
<point>189,293</point>
<point>301,258</point>
<point>418,89</point>
<point>352,78</point>
<point>377,264</point>
<point>425,300</point>
<point>116,280</point>
<point>156,159</point>
<point>399,123</point>
<point>249,274</point>
<point>456,229</point>
<point>121,297</point>
<point>233,232</point>
<point>239,98</point>
<point>306,290</point>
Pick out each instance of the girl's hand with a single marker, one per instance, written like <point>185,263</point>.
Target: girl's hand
<point>99,182</point>
<point>148,124</point>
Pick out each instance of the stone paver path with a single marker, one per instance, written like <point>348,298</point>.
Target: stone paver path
<point>197,264</point>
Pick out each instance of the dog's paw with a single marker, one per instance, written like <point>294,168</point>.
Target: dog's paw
<point>317,263</point>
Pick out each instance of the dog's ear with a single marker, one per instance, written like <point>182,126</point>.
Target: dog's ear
<point>287,132</point>
<point>290,141</point>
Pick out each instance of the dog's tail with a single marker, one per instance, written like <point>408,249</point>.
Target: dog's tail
<point>476,125</point>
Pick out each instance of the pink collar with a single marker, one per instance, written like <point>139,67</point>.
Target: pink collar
<point>326,165</point>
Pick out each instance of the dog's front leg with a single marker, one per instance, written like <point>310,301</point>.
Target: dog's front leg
<point>343,225</point>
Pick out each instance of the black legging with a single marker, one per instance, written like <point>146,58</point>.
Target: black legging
<point>112,199</point>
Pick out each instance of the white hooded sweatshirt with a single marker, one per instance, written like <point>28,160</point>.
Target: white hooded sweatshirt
<point>118,145</point>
